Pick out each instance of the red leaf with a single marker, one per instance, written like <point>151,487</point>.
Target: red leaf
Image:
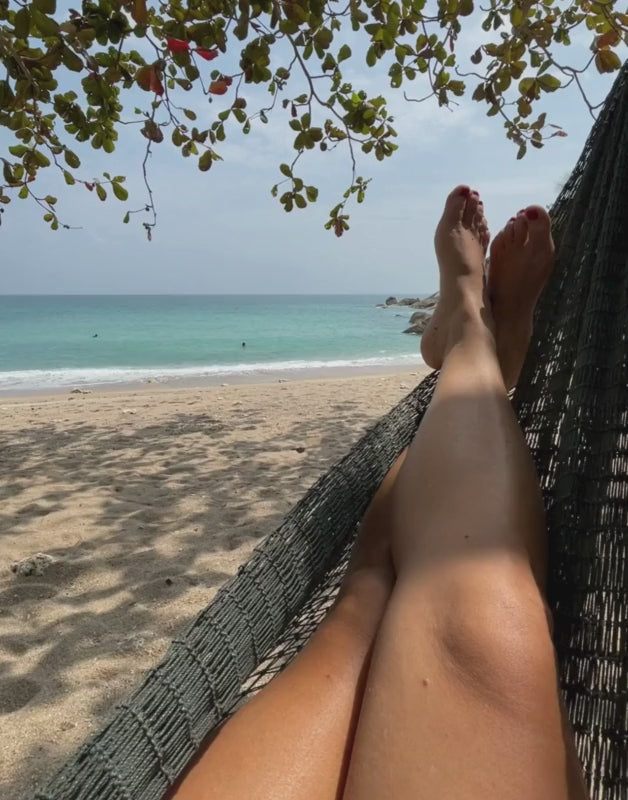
<point>177,45</point>
<point>218,87</point>
<point>208,55</point>
<point>608,39</point>
<point>155,84</point>
<point>338,229</point>
<point>89,186</point>
<point>227,80</point>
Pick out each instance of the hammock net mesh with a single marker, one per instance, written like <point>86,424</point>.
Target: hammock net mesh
<point>572,403</point>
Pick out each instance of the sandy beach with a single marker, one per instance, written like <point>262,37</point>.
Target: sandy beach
<point>146,501</point>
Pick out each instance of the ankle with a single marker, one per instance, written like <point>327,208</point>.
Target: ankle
<point>470,322</point>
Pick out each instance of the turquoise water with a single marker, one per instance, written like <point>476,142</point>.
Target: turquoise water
<point>49,342</point>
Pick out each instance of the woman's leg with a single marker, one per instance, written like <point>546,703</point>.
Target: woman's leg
<point>461,699</point>
<point>293,740</point>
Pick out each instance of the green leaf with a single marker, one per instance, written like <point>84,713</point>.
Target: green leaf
<point>71,60</point>
<point>100,191</point>
<point>285,170</point>
<point>516,16</point>
<point>46,25</point>
<point>18,150</point>
<point>205,161</point>
<point>344,53</point>
<point>549,83</point>
<point>71,159</point>
<point>41,159</point>
<point>126,218</point>
<point>607,61</point>
<point>45,6</point>
<point>119,191</point>
<point>189,114</point>
<point>68,177</point>
<point>300,201</point>
<point>23,193</point>
<point>22,23</point>
<point>312,193</point>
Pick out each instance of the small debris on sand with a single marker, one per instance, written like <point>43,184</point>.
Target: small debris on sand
<point>33,565</point>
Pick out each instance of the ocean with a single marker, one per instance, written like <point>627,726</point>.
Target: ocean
<point>51,342</point>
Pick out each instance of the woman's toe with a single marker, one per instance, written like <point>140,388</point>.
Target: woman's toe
<point>520,230</point>
<point>455,204</point>
<point>539,225</point>
<point>498,245</point>
<point>471,209</point>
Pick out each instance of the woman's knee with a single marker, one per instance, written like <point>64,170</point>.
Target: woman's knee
<point>493,637</point>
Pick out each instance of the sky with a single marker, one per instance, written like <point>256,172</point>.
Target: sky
<point>221,232</point>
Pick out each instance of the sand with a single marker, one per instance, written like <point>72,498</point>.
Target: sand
<point>146,501</point>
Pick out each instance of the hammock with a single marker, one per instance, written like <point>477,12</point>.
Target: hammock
<point>572,403</point>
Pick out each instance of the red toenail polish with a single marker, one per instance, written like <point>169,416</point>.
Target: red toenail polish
<point>475,194</point>
<point>532,213</point>
<point>512,219</point>
<point>464,192</point>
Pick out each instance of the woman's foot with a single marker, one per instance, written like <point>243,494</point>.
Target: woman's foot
<point>460,241</point>
<point>522,257</point>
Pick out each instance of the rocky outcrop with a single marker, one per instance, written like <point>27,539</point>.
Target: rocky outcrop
<point>421,317</point>
<point>413,302</point>
<point>427,302</point>
<point>418,322</point>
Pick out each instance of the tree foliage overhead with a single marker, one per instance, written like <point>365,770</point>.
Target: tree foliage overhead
<point>80,75</point>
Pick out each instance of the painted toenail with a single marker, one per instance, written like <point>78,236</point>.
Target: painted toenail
<point>532,213</point>
<point>464,192</point>
<point>475,194</point>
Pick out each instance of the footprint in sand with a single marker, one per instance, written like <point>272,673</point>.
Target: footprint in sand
<point>22,592</point>
<point>15,693</point>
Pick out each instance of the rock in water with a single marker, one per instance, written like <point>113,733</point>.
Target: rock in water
<point>428,302</point>
<point>418,322</point>
<point>418,316</point>
<point>33,565</point>
<point>391,301</point>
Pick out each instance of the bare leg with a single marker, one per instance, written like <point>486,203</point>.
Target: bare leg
<point>293,740</point>
<point>461,699</point>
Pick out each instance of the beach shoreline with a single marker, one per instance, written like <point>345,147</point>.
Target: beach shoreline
<point>250,378</point>
<point>146,500</point>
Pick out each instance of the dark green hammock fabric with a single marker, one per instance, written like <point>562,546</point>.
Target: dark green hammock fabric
<point>573,406</point>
